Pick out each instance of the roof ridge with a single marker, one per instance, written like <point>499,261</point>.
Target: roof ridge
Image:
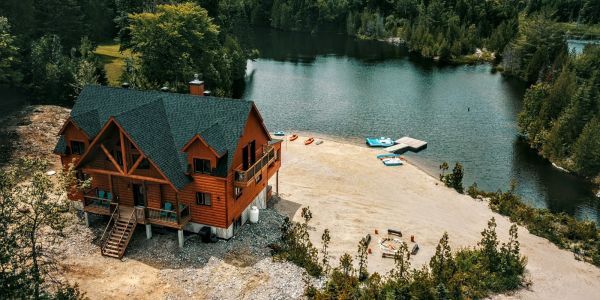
<point>212,98</point>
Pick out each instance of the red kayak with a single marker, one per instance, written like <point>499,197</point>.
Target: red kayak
<point>293,137</point>
<point>309,141</point>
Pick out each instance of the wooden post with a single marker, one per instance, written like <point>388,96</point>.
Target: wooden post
<point>177,208</point>
<point>145,202</point>
<point>123,154</point>
<point>110,187</point>
<point>277,183</point>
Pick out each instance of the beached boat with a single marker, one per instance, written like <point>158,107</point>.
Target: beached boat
<point>309,141</point>
<point>387,155</point>
<point>392,161</point>
<point>380,142</point>
<point>279,133</point>
<point>319,142</point>
<point>293,137</point>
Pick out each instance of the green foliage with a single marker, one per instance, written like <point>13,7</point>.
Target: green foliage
<point>9,55</point>
<point>470,273</point>
<point>455,179</point>
<point>558,113</point>
<point>581,237</point>
<point>295,245</point>
<point>34,213</point>
<point>536,51</point>
<point>57,77</point>
<point>176,41</point>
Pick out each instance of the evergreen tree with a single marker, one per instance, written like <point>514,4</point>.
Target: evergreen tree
<point>9,55</point>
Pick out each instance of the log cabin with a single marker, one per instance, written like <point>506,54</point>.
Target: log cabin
<point>183,161</point>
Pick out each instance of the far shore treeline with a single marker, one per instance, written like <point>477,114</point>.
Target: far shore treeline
<point>48,49</point>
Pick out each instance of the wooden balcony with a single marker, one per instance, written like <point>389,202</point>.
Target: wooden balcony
<point>243,178</point>
<point>97,205</point>
<point>168,218</point>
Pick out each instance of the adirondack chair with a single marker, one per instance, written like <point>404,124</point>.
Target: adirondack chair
<point>165,213</point>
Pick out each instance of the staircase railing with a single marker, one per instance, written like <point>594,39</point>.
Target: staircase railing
<point>114,217</point>
<point>132,218</point>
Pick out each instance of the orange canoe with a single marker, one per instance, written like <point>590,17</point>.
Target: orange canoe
<point>309,141</point>
<point>293,137</point>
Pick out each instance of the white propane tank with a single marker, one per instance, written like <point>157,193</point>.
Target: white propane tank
<point>254,215</point>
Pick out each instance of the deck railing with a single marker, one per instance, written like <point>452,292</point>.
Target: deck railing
<point>244,177</point>
<point>168,217</point>
<point>97,205</point>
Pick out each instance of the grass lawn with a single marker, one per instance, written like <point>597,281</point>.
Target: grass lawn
<point>113,61</point>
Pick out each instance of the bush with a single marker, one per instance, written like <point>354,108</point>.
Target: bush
<point>581,237</point>
<point>467,273</point>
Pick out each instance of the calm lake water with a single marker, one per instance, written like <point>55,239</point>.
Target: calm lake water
<point>337,86</point>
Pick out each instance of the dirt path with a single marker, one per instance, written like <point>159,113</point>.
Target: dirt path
<point>350,192</point>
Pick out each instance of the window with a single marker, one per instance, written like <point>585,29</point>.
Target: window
<point>77,147</point>
<point>202,198</point>
<point>237,192</point>
<point>201,165</point>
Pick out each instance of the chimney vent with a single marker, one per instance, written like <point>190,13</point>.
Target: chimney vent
<point>197,86</point>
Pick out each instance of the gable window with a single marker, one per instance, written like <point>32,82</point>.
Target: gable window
<point>77,147</point>
<point>201,166</point>
<point>203,199</point>
<point>118,156</point>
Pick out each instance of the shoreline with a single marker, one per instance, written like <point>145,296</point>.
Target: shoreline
<point>351,193</point>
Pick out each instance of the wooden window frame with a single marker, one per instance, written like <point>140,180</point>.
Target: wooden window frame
<point>201,199</point>
<point>78,142</point>
<point>204,170</point>
<point>237,195</point>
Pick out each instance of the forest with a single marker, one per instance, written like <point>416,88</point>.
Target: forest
<point>47,48</point>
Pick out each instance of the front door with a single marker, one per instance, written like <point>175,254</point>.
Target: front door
<point>138,195</point>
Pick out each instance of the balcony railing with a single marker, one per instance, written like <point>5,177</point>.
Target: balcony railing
<point>244,177</point>
<point>169,217</point>
<point>97,205</point>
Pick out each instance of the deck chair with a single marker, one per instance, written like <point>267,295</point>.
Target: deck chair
<point>168,207</point>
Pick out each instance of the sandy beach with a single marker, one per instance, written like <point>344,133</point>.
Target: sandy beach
<point>352,193</point>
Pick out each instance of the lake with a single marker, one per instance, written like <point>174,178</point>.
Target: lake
<point>339,87</point>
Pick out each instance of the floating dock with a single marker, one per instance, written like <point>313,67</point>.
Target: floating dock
<point>407,144</point>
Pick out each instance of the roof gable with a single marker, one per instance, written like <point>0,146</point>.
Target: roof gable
<point>163,123</point>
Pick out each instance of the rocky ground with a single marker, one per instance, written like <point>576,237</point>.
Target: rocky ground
<point>31,131</point>
<point>241,268</point>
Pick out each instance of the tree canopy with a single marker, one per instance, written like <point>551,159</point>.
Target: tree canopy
<point>176,41</point>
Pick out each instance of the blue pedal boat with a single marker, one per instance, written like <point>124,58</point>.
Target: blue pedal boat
<point>380,142</point>
<point>279,133</point>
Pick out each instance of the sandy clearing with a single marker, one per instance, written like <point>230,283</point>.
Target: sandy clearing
<point>350,192</point>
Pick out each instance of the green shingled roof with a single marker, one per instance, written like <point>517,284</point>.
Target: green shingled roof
<point>162,123</point>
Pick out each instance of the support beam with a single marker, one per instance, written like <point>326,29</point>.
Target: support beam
<point>177,210</point>
<point>111,158</point>
<point>148,231</point>
<point>123,153</point>
<point>136,164</point>
<point>137,177</point>
<point>87,218</point>
<point>110,187</point>
<point>180,237</point>
<point>277,183</point>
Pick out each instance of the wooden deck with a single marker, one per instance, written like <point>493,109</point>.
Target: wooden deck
<point>407,144</point>
<point>144,215</point>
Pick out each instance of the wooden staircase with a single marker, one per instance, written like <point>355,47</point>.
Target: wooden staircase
<point>118,232</point>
